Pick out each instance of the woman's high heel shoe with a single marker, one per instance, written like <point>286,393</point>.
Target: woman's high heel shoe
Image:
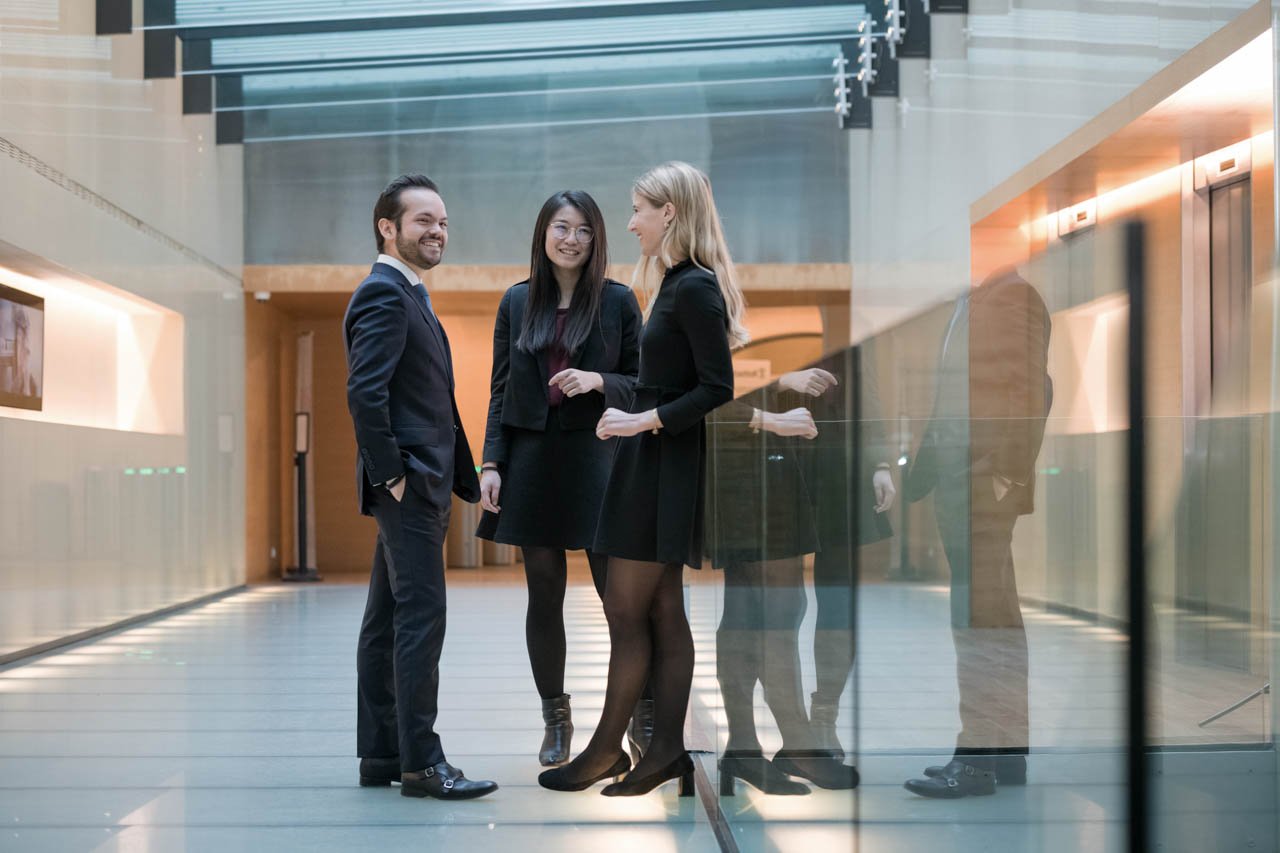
<point>681,768</point>
<point>820,769</point>
<point>557,778</point>
<point>758,772</point>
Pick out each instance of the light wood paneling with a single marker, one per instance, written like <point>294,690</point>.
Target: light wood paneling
<point>262,323</point>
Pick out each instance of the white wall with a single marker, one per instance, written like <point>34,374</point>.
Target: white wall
<point>106,183</point>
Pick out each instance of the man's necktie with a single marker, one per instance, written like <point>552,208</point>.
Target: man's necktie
<point>426,297</point>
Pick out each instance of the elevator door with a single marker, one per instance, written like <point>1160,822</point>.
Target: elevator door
<point>1214,577</point>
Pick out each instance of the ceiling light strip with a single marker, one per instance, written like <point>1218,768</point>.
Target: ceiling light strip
<point>522,93</point>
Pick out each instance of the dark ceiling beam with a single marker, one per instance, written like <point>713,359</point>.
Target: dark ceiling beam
<point>506,56</point>
<point>114,17</point>
<point>917,42</point>
<point>229,122</point>
<point>197,90</point>
<point>159,47</point>
<point>454,19</point>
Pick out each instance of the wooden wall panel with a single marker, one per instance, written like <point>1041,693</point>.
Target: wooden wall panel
<point>262,446</point>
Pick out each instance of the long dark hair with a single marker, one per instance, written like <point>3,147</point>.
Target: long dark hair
<point>539,326</point>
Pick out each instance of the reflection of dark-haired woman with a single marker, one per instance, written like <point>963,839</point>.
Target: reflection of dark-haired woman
<point>849,515</point>
<point>565,348</point>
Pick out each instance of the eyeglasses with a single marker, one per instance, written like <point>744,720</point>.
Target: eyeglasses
<point>560,231</point>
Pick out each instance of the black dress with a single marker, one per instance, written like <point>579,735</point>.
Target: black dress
<point>758,505</point>
<point>653,505</point>
<point>553,467</point>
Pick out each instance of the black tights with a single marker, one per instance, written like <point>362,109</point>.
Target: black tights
<point>759,640</point>
<point>545,573</point>
<point>649,640</point>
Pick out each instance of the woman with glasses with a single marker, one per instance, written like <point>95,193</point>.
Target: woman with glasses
<point>565,348</point>
<point>651,521</point>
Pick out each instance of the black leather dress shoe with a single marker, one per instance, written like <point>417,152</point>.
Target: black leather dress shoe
<point>379,772</point>
<point>956,780</point>
<point>444,782</point>
<point>1010,769</point>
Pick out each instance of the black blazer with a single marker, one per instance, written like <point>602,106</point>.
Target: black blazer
<point>518,388</point>
<point>400,393</point>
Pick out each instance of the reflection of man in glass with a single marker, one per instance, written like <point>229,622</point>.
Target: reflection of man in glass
<point>20,379</point>
<point>978,460</point>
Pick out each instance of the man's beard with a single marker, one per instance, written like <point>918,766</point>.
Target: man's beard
<point>412,253</point>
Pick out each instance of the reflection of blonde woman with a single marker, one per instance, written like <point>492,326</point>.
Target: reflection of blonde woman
<point>651,520</point>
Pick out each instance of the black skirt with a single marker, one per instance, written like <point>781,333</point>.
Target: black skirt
<point>552,488</point>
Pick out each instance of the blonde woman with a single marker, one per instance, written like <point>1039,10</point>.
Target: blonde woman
<point>651,518</point>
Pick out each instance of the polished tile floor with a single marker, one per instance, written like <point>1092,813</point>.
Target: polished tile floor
<point>230,727</point>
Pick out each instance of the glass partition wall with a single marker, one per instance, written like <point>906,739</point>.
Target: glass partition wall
<point>918,568</point>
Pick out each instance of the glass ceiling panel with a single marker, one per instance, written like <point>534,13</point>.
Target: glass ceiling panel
<point>530,109</point>
<point>201,13</point>
<point>541,35</point>
<point>769,61</point>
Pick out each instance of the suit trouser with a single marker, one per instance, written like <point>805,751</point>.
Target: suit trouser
<point>991,650</point>
<point>398,662</point>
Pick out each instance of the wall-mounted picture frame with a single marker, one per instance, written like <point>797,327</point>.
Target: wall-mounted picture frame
<point>21,349</point>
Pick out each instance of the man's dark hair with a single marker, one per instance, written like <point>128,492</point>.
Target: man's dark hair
<point>388,205</point>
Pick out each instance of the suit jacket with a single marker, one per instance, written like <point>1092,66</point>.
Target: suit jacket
<point>993,424</point>
<point>518,389</point>
<point>400,393</point>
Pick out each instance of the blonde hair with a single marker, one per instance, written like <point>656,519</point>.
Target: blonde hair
<point>694,232</point>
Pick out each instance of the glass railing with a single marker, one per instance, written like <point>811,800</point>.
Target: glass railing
<point>920,566</point>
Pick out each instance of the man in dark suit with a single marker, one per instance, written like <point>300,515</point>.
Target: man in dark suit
<point>412,454</point>
<point>978,460</point>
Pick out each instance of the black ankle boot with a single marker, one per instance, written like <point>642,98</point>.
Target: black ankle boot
<point>822,720</point>
<point>558,717</point>
<point>640,731</point>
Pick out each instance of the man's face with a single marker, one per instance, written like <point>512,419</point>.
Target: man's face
<point>423,230</point>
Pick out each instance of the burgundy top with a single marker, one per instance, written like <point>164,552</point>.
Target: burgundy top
<point>557,358</point>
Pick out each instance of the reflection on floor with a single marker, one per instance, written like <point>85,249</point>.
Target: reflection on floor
<point>230,727</point>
